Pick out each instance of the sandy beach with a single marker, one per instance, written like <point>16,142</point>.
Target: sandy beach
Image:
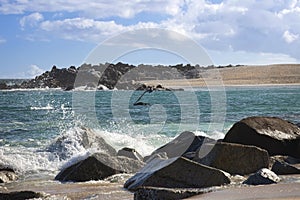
<point>279,74</point>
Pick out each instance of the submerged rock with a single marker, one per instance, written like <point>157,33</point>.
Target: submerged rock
<point>262,177</point>
<point>130,153</point>
<point>97,167</point>
<point>186,145</point>
<point>177,172</point>
<point>235,158</point>
<point>277,136</point>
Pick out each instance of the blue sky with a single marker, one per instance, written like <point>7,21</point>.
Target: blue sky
<point>35,35</point>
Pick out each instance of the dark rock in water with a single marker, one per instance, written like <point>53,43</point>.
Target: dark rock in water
<point>150,193</point>
<point>262,177</point>
<point>177,172</point>
<point>235,158</point>
<point>277,136</point>
<point>7,176</point>
<point>130,153</point>
<point>87,138</point>
<point>97,167</point>
<point>20,195</point>
<point>186,145</point>
<point>283,168</point>
<point>69,88</point>
<point>3,86</point>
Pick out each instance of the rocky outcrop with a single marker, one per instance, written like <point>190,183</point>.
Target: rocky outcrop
<point>97,167</point>
<point>235,158</point>
<point>277,136</point>
<point>86,138</point>
<point>262,177</point>
<point>186,145</point>
<point>177,172</point>
<point>130,153</point>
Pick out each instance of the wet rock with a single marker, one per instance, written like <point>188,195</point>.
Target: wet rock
<point>20,195</point>
<point>3,86</point>
<point>150,193</point>
<point>283,168</point>
<point>186,145</point>
<point>177,172</point>
<point>235,158</point>
<point>97,167</point>
<point>7,176</point>
<point>86,138</point>
<point>130,153</point>
<point>277,136</point>
<point>262,177</point>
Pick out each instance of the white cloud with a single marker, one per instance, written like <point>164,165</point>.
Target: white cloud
<point>31,20</point>
<point>2,40</point>
<point>249,25</point>
<point>249,58</point>
<point>34,70</point>
<point>290,37</point>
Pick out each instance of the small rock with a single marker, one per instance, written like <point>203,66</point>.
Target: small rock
<point>262,177</point>
<point>177,172</point>
<point>283,168</point>
<point>130,153</point>
<point>7,176</point>
<point>97,167</point>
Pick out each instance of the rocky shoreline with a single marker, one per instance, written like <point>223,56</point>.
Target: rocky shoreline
<point>255,151</point>
<point>107,76</point>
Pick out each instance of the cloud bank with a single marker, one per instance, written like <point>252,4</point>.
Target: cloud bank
<point>270,27</point>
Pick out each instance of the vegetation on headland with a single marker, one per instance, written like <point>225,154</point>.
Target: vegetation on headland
<point>128,77</point>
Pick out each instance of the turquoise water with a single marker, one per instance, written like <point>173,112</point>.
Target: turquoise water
<point>31,120</point>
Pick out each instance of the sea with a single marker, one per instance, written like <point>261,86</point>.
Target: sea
<point>31,121</point>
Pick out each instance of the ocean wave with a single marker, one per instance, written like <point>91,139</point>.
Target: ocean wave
<point>47,107</point>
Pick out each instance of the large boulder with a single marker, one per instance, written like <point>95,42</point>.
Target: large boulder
<point>186,145</point>
<point>177,172</point>
<point>235,158</point>
<point>262,177</point>
<point>97,167</point>
<point>277,136</point>
<point>81,138</point>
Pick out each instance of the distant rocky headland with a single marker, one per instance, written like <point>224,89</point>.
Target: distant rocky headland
<point>142,77</point>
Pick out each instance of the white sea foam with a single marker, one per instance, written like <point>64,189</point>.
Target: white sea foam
<point>47,107</point>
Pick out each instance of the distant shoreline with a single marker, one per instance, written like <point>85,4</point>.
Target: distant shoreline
<point>265,75</point>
